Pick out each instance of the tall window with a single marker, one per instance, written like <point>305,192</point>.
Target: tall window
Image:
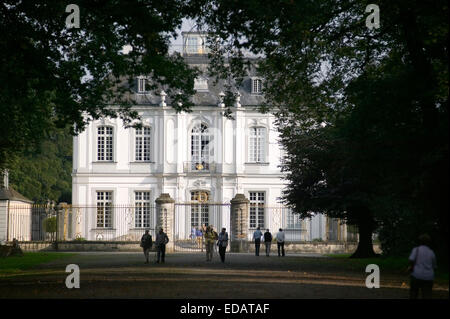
<point>257,203</point>
<point>104,143</point>
<point>257,144</point>
<point>200,147</point>
<point>143,144</point>
<point>141,85</point>
<point>199,208</point>
<point>293,221</point>
<point>192,45</point>
<point>142,215</point>
<point>104,209</point>
<point>256,86</point>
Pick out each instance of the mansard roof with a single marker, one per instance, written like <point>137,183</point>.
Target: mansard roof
<point>204,98</point>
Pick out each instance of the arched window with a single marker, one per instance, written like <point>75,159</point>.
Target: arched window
<point>256,145</point>
<point>143,139</point>
<point>104,143</point>
<point>200,147</point>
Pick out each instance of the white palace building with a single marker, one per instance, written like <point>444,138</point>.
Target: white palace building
<point>197,158</point>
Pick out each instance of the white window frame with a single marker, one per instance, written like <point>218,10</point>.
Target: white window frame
<point>143,144</point>
<point>105,143</point>
<point>200,146</point>
<point>256,86</point>
<point>104,215</point>
<point>257,144</point>
<point>257,211</point>
<point>199,208</point>
<point>143,209</point>
<point>141,85</point>
<point>191,47</point>
<point>293,221</point>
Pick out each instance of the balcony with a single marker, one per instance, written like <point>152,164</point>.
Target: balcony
<point>199,167</point>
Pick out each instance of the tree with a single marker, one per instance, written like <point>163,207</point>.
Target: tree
<point>381,93</point>
<point>50,226</point>
<point>54,76</point>
<point>45,173</point>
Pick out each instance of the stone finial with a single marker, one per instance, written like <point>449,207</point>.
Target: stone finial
<point>238,99</point>
<point>179,103</point>
<point>163,98</point>
<point>221,96</point>
<point>164,198</point>
<point>4,179</point>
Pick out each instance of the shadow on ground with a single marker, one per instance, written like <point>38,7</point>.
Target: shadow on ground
<point>124,275</point>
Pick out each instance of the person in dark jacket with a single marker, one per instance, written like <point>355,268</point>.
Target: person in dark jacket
<point>222,243</point>
<point>267,241</point>
<point>146,244</point>
<point>161,242</point>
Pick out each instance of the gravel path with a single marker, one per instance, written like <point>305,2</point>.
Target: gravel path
<point>124,275</point>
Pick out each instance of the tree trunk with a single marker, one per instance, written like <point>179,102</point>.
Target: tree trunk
<point>365,245</point>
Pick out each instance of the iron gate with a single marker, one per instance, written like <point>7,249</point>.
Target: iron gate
<point>190,223</point>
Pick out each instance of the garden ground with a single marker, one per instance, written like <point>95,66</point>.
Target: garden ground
<point>124,275</point>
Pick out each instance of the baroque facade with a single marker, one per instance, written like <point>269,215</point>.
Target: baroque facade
<point>197,157</point>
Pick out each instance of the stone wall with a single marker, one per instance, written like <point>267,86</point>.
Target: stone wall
<point>314,248</point>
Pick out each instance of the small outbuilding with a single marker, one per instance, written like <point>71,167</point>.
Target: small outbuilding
<point>15,213</point>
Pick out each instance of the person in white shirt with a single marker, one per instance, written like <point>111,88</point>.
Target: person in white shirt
<point>280,242</point>
<point>422,263</point>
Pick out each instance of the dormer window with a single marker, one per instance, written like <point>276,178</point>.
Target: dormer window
<point>256,86</point>
<point>201,84</point>
<point>141,85</point>
<point>192,45</point>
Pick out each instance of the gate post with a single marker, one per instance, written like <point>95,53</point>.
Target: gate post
<point>165,212</point>
<point>239,223</point>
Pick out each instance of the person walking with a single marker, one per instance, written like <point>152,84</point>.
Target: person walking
<point>161,242</point>
<point>267,241</point>
<point>210,239</point>
<point>422,265</point>
<point>146,244</point>
<point>280,242</point>
<point>257,238</point>
<point>199,236</point>
<point>222,243</point>
<point>193,235</point>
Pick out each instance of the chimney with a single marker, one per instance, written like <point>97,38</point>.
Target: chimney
<point>4,179</point>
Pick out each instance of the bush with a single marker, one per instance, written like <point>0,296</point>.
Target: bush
<point>50,226</point>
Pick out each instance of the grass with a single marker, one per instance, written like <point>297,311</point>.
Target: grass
<point>396,265</point>
<point>28,261</point>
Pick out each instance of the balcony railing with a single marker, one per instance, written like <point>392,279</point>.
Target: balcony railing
<point>199,167</point>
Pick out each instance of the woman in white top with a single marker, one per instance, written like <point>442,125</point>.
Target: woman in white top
<point>422,263</point>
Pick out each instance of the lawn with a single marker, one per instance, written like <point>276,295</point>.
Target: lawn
<point>396,265</point>
<point>28,261</point>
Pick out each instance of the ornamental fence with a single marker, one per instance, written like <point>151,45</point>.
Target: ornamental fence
<point>104,222</point>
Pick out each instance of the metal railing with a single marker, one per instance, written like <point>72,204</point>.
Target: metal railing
<point>106,223</point>
<point>199,167</point>
<point>49,223</point>
<point>191,220</point>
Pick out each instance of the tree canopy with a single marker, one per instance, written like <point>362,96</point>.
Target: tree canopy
<point>362,112</point>
<point>54,76</point>
<point>45,173</point>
